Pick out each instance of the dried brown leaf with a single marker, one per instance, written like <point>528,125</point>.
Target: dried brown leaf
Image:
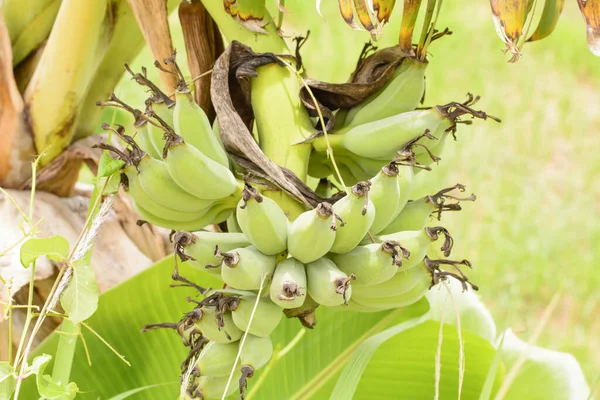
<point>152,17</point>
<point>16,146</point>
<point>591,13</point>
<point>230,92</point>
<point>372,73</point>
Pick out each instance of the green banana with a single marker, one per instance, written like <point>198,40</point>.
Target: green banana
<point>196,173</point>
<point>142,199</point>
<point>402,94</point>
<point>266,318</point>
<point>383,138</point>
<point>156,181</point>
<point>385,196</point>
<point>417,243</point>
<point>312,234</point>
<point>372,263</point>
<point>191,123</point>
<point>209,327</point>
<point>244,267</point>
<point>327,284</point>
<point>262,221</point>
<point>215,215</point>
<point>417,213</point>
<point>288,287</point>
<point>232,224</point>
<point>211,387</point>
<point>357,213</point>
<point>399,300</point>
<point>217,359</point>
<point>256,352</point>
<point>143,139</point>
<point>198,248</point>
<point>402,282</point>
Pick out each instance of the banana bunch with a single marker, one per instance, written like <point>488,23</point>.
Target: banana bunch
<point>367,246</point>
<point>176,170</point>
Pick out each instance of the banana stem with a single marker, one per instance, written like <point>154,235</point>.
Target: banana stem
<point>65,352</point>
<point>59,83</point>
<point>281,119</point>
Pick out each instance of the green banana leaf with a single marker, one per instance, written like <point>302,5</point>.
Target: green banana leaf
<point>403,366</point>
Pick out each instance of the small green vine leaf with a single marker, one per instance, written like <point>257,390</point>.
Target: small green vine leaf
<point>48,388</point>
<point>7,380</point>
<point>54,247</point>
<point>80,298</point>
<point>108,166</point>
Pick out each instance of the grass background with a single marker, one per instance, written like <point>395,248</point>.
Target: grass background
<point>534,229</point>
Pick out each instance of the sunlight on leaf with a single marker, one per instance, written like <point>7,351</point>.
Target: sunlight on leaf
<point>404,366</point>
<point>348,381</point>
<point>474,316</point>
<point>80,298</point>
<point>55,248</point>
<point>545,375</point>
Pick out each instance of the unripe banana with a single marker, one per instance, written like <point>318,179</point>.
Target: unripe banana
<point>312,234</point>
<point>198,248</point>
<point>401,282</point>
<point>156,181</point>
<point>288,287</point>
<point>143,139</point>
<point>217,359</point>
<point>373,263</point>
<point>417,243</point>
<point>209,326</point>
<point>266,318</point>
<point>191,123</point>
<point>327,285</point>
<point>232,224</point>
<point>256,352</point>
<point>216,214</point>
<point>210,387</point>
<point>357,213</point>
<point>197,174</point>
<point>417,213</point>
<point>397,301</point>
<point>318,165</point>
<point>157,108</point>
<point>244,267</point>
<point>385,196</point>
<point>383,138</point>
<point>262,221</point>
<point>402,94</point>
<point>141,198</point>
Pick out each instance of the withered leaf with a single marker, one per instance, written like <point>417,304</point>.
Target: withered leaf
<point>372,73</point>
<point>230,93</point>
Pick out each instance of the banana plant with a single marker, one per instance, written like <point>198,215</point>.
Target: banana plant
<point>290,175</point>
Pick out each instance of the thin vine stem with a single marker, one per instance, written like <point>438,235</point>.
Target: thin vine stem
<point>321,119</point>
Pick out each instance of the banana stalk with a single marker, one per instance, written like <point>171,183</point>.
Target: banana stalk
<point>30,36</point>
<point>59,82</point>
<point>152,17</point>
<point>126,42</point>
<point>280,117</point>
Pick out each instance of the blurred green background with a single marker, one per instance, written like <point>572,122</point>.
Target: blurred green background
<point>535,227</point>
<point>533,230</point>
